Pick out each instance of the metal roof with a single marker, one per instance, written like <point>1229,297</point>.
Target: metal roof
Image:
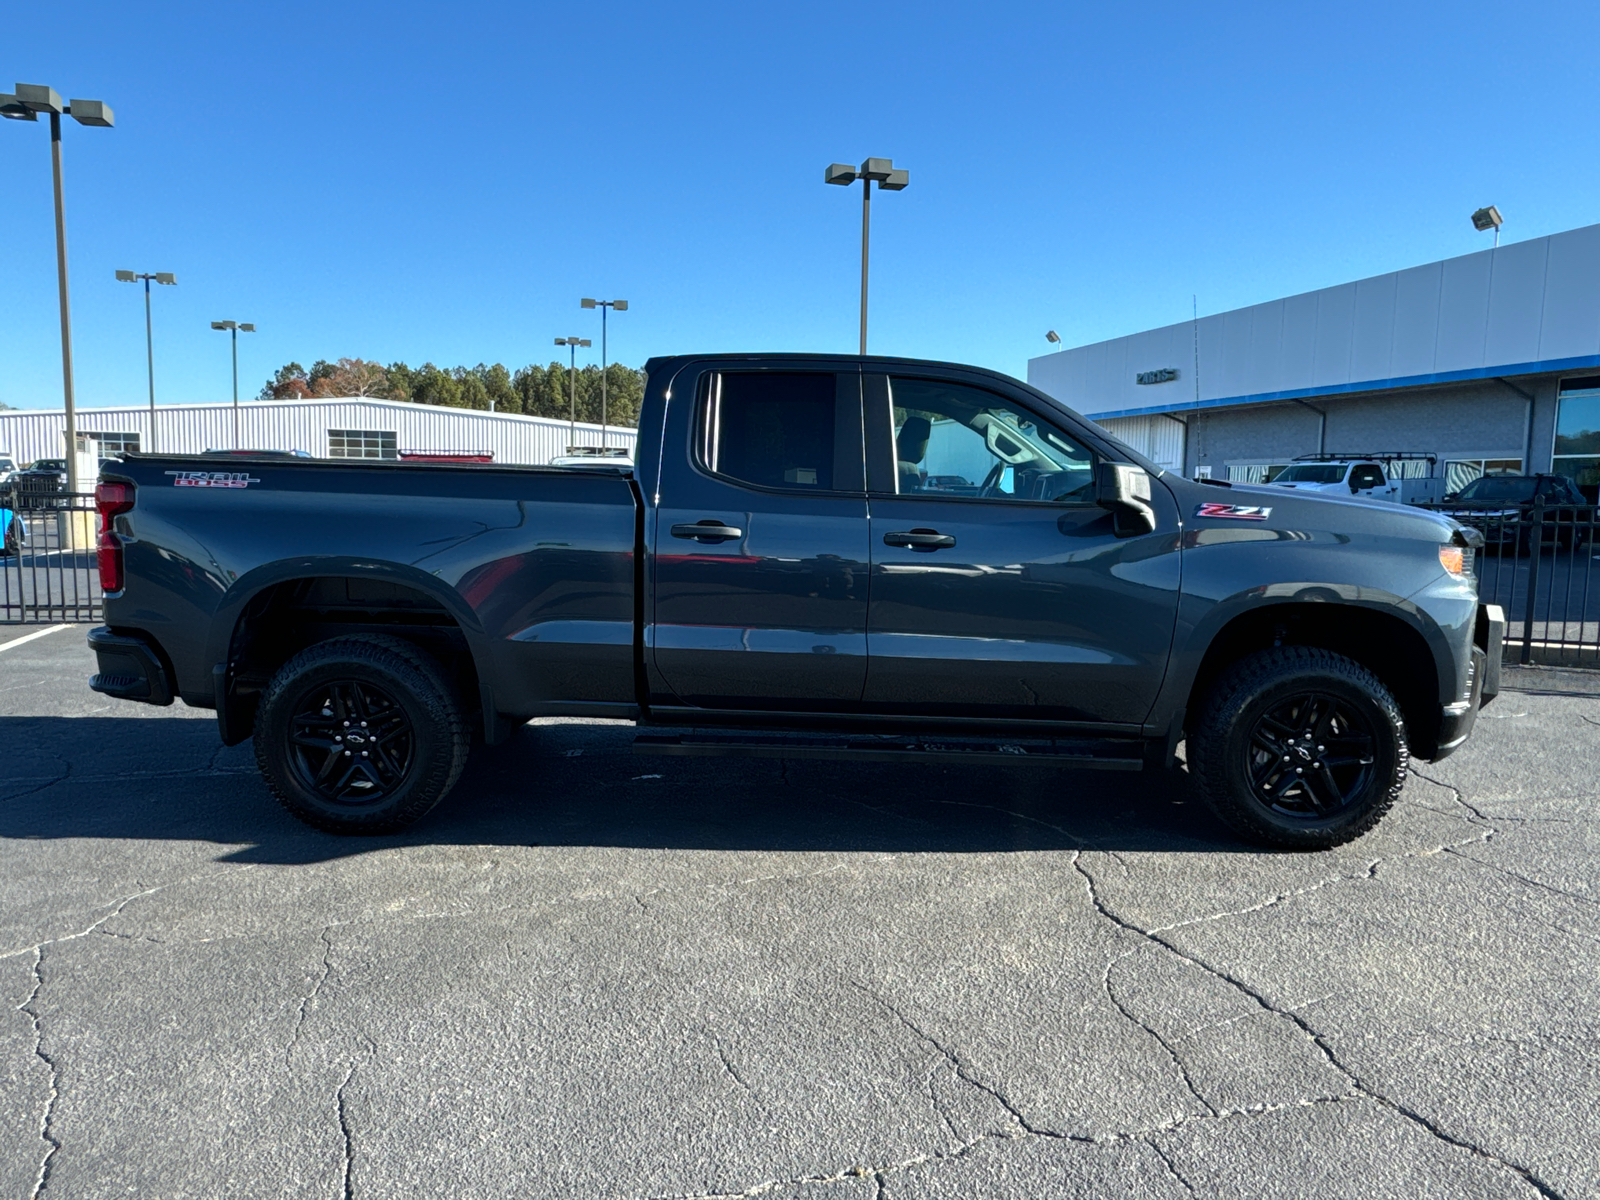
<point>1526,308</point>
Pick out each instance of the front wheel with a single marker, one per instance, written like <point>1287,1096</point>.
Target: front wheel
<point>1299,747</point>
<point>360,735</point>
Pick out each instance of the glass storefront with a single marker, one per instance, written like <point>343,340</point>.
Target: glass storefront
<point>1577,446</point>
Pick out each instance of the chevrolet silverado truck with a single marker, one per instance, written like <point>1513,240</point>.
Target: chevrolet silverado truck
<point>868,558</point>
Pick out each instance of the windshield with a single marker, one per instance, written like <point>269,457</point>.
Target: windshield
<point>1512,488</point>
<point>1311,473</point>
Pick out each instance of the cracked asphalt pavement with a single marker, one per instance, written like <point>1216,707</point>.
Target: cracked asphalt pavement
<point>595,974</point>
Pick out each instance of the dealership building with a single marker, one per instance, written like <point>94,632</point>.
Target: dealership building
<point>1490,362</point>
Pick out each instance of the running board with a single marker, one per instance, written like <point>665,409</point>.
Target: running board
<point>1104,754</point>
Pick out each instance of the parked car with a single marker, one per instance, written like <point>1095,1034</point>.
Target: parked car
<point>1502,508</point>
<point>1372,476</point>
<point>41,484</point>
<point>774,578</point>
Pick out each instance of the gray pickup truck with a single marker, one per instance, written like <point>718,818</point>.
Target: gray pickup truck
<point>814,556</point>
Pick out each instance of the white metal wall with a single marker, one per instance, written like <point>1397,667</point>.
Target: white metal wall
<point>304,425</point>
<point>1528,302</point>
<point>1158,438</point>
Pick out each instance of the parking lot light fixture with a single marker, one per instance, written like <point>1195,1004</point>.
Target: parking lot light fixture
<point>1052,337</point>
<point>1488,218</point>
<point>572,380</point>
<point>25,104</point>
<point>235,328</point>
<point>881,171</point>
<point>164,277</point>
<point>605,307</point>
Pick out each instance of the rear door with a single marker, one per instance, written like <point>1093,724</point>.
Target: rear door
<point>999,588</point>
<point>760,561</point>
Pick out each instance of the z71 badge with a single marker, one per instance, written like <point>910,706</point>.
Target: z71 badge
<point>212,479</point>
<point>1234,512</point>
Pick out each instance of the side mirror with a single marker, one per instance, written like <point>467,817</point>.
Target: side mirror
<point>1124,490</point>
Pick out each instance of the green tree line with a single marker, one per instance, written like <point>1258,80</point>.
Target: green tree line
<point>532,390</point>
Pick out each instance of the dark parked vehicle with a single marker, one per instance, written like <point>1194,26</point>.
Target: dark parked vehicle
<point>1501,508</point>
<point>39,485</point>
<point>788,572</point>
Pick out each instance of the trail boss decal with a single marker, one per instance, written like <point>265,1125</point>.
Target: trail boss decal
<point>212,479</point>
<point>1234,512</point>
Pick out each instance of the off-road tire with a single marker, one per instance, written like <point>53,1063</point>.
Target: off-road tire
<point>374,665</point>
<point>1221,741</point>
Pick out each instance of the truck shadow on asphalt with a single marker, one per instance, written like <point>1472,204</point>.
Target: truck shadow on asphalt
<point>167,778</point>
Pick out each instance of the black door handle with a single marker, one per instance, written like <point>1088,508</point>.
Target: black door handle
<point>920,539</point>
<point>707,531</point>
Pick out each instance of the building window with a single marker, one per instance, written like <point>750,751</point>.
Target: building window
<point>361,443</point>
<point>109,444</point>
<point>1577,446</point>
<point>1458,472</point>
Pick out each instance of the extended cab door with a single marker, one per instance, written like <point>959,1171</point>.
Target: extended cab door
<point>999,589</point>
<point>760,559</point>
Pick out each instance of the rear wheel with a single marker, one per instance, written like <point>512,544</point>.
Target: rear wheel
<point>1300,747</point>
<point>360,735</point>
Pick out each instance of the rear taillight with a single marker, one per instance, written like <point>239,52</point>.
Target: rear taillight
<point>111,499</point>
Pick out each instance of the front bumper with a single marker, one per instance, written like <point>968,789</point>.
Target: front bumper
<point>1456,720</point>
<point>130,668</point>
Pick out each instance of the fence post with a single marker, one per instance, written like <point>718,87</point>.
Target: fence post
<point>1536,543</point>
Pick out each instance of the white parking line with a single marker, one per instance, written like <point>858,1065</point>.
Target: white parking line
<point>28,637</point>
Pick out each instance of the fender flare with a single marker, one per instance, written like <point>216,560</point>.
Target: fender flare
<point>226,618</point>
<point>1190,648</point>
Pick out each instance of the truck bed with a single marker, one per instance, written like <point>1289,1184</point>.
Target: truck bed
<point>535,566</point>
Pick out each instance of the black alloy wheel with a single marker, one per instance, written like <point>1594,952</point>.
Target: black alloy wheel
<point>351,742</point>
<point>361,734</point>
<point>1310,756</point>
<point>1298,747</point>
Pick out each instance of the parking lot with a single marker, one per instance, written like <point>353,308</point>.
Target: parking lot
<point>595,974</point>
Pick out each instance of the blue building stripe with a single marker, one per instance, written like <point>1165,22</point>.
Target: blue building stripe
<point>1547,367</point>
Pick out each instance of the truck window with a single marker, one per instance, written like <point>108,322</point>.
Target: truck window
<point>1366,476</point>
<point>1311,473</point>
<point>958,441</point>
<point>769,428</point>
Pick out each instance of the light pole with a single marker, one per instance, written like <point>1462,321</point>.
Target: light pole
<point>604,306</point>
<point>235,329</point>
<point>889,180</point>
<point>1489,218</point>
<point>1052,337</point>
<point>572,377</point>
<point>26,104</point>
<point>166,277</point>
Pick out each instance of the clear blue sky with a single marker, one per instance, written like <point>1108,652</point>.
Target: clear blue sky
<point>443,182</point>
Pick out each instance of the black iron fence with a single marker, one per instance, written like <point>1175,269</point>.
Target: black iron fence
<point>1542,565</point>
<point>48,570</point>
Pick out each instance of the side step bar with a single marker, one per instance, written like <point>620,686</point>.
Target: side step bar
<point>1105,754</point>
